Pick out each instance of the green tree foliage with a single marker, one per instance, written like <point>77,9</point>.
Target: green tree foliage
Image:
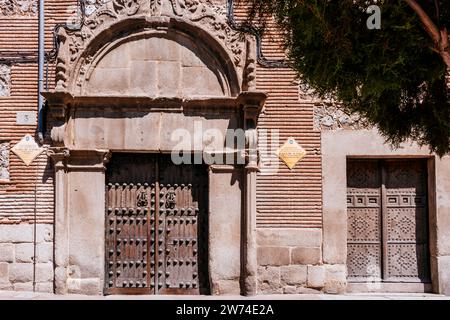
<point>394,77</point>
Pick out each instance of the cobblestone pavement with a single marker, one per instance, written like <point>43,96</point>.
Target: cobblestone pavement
<point>10,295</point>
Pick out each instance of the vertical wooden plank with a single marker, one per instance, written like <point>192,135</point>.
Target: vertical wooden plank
<point>156,228</point>
<point>384,221</point>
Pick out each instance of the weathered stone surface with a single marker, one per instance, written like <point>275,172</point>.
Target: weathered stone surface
<point>294,275</point>
<point>20,272</point>
<point>228,287</point>
<point>44,272</point>
<point>91,286</point>
<point>4,275</point>
<point>44,252</point>
<point>44,233</point>
<point>7,286</point>
<point>24,252</point>
<point>4,159</point>
<point>273,256</point>
<point>290,237</point>
<point>304,290</point>
<point>6,252</point>
<point>16,233</point>
<point>27,286</point>
<point>5,79</point>
<point>335,279</point>
<point>444,275</point>
<point>152,66</point>
<point>18,7</point>
<point>290,290</point>
<point>44,287</point>
<point>302,255</point>
<point>332,117</point>
<point>316,276</point>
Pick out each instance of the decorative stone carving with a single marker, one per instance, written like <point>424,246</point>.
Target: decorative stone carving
<point>332,117</point>
<point>4,161</point>
<point>5,80</point>
<point>74,60</point>
<point>18,7</point>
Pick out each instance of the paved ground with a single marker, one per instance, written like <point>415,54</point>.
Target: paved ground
<point>8,295</point>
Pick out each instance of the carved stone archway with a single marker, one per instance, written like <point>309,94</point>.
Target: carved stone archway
<point>134,73</point>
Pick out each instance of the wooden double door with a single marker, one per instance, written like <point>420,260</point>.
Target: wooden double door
<point>156,226</point>
<point>387,221</point>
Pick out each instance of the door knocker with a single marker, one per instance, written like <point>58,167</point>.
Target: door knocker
<point>142,200</point>
<point>170,200</point>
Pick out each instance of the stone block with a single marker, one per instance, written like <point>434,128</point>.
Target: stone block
<point>265,288</point>
<point>444,275</point>
<point>269,280</point>
<point>16,233</point>
<point>44,233</point>
<point>304,290</point>
<point>46,287</point>
<point>304,255</point>
<point>6,252</point>
<point>4,275</point>
<point>44,272</point>
<point>316,276</point>
<point>273,256</point>
<point>335,279</point>
<point>6,286</point>
<point>200,81</point>
<point>290,290</point>
<point>90,286</point>
<point>24,252</point>
<point>21,272</point>
<point>169,75</point>
<point>228,287</point>
<point>27,286</point>
<point>145,78</point>
<point>109,81</point>
<point>290,237</point>
<point>44,252</point>
<point>5,80</point>
<point>294,275</point>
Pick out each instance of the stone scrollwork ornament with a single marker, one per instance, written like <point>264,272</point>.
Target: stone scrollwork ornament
<point>129,7</point>
<point>73,57</point>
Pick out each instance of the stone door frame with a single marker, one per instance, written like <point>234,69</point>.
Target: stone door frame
<point>337,146</point>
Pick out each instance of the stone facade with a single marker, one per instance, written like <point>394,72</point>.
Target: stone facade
<point>5,80</point>
<point>290,262</point>
<point>18,7</point>
<point>329,116</point>
<point>26,264</point>
<point>134,73</point>
<point>4,161</point>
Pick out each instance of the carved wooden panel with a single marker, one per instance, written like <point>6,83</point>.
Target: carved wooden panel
<point>156,227</point>
<point>387,221</point>
<point>364,221</point>
<point>406,215</point>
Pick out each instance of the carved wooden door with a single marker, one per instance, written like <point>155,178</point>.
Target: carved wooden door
<point>387,221</point>
<point>156,226</point>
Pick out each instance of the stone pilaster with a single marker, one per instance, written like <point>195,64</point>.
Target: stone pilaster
<point>252,104</point>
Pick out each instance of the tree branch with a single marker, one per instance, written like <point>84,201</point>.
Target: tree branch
<point>440,37</point>
<point>429,25</point>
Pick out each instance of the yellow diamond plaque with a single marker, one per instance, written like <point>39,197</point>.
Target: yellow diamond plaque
<point>27,149</point>
<point>291,153</point>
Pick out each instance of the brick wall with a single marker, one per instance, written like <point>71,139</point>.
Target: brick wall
<point>288,202</point>
<point>26,193</point>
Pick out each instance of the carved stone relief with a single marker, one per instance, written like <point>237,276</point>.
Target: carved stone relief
<point>332,117</point>
<point>328,113</point>
<point>18,7</point>
<point>5,80</point>
<point>4,161</point>
<point>101,15</point>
